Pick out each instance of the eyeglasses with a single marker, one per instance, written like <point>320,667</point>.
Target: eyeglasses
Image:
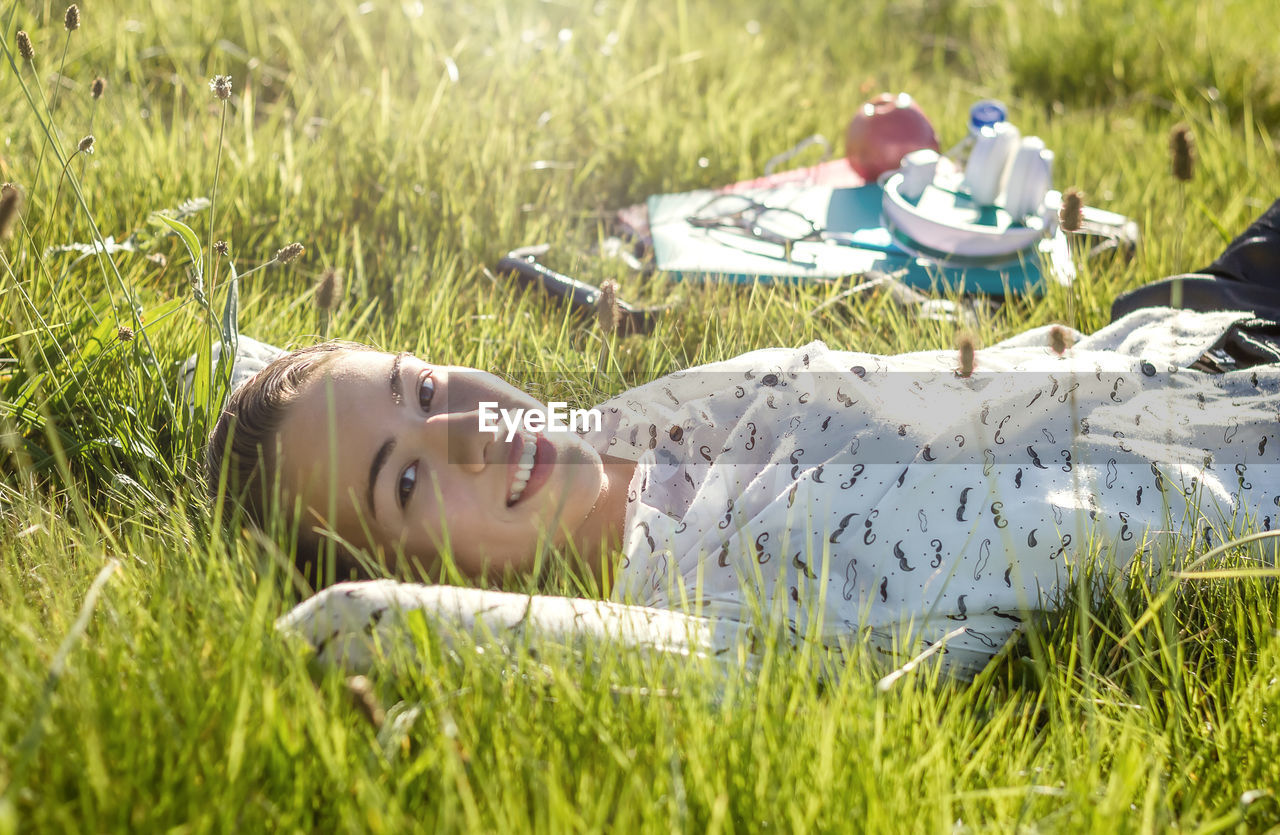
<point>778,225</point>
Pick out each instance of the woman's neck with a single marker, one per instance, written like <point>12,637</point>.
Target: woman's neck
<point>600,534</point>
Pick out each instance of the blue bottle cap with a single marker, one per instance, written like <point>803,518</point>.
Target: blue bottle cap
<point>986,113</point>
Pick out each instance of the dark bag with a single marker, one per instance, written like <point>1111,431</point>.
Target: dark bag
<point>1246,276</point>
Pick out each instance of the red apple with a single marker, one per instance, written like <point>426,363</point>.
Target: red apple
<point>886,129</point>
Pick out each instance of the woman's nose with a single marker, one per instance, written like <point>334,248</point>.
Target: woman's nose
<point>462,440</point>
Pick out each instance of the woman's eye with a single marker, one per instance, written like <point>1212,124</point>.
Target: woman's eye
<point>426,390</point>
<point>407,480</point>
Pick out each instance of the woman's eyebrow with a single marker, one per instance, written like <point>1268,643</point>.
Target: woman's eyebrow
<point>397,390</point>
<point>384,451</point>
<point>379,459</point>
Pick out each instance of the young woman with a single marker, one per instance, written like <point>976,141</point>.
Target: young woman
<point>894,501</point>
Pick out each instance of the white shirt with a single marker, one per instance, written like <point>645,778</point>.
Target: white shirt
<point>857,498</point>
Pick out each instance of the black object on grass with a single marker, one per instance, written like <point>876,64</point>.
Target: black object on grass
<point>582,297</point>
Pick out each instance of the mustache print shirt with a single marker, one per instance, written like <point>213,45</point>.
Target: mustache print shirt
<point>888,503</point>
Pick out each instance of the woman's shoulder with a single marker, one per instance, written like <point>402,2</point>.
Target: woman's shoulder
<point>764,357</point>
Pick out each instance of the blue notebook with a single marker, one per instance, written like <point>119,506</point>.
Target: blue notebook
<point>690,252</point>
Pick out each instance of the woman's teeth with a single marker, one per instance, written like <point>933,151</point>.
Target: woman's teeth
<point>523,469</point>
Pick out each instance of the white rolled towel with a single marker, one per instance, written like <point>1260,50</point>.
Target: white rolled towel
<point>349,625</point>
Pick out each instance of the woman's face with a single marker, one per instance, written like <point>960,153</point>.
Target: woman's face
<point>388,452</point>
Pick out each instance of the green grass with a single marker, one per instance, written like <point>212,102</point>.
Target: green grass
<point>175,706</point>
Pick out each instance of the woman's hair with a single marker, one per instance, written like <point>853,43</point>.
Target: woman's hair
<point>244,443</point>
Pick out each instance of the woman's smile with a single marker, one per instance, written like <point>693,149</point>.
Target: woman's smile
<point>520,464</point>
<point>533,458</point>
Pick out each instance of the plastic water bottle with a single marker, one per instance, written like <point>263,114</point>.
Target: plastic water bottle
<point>984,114</point>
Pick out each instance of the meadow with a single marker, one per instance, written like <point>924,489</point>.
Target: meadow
<point>407,146</point>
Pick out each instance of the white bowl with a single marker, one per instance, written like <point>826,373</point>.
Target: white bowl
<point>951,223</point>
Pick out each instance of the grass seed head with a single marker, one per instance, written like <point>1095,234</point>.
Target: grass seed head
<point>72,18</point>
<point>1071,214</point>
<point>289,253</point>
<point>607,313</point>
<point>222,248</point>
<point>1059,339</point>
<point>86,145</point>
<point>967,345</point>
<point>10,204</point>
<point>329,290</point>
<point>99,87</point>
<point>1182,148</point>
<point>124,333</point>
<point>221,86</point>
<point>25,49</point>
